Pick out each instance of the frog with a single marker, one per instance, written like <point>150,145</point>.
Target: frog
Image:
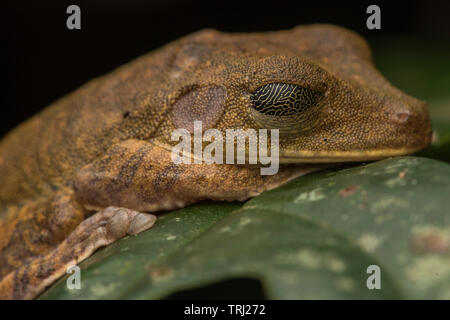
<point>96,165</point>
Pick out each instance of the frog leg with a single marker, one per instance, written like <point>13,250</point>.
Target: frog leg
<point>142,176</point>
<point>99,230</point>
<point>136,176</point>
<point>36,227</point>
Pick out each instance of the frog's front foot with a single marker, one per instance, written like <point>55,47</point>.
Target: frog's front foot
<point>101,229</point>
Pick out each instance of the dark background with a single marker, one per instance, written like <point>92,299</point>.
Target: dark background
<point>43,60</point>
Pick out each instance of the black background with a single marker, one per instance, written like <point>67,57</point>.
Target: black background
<point>43,60</point>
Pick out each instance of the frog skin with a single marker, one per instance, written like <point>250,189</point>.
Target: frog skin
<point>89,169</point>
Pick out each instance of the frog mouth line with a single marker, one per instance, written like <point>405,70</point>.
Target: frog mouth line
<point>307,156</point>
<point>344,156</point>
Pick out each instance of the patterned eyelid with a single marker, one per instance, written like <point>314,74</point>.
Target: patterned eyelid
<point>282,99</point>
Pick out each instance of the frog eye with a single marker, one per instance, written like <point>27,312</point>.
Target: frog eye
<point>282,99</point>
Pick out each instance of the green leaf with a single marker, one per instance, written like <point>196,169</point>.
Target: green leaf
<point>396,209</point>
<point>311,238</point>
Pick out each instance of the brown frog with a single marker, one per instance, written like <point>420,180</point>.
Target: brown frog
<point>89,168</point>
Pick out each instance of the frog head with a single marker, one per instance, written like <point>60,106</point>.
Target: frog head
<point>316,84</point>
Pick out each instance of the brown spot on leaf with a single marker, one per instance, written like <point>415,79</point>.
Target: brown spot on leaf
<point>401,174</point>
<point>348,191</point>
<point>430,243</point>
<point>159,273</point>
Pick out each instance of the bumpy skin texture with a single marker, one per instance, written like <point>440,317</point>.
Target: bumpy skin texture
<point>107,145</point>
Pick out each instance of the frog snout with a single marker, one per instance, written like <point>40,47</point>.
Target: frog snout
<point>413,114</point>
<point>402,112</point>
<point>410,121</point>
